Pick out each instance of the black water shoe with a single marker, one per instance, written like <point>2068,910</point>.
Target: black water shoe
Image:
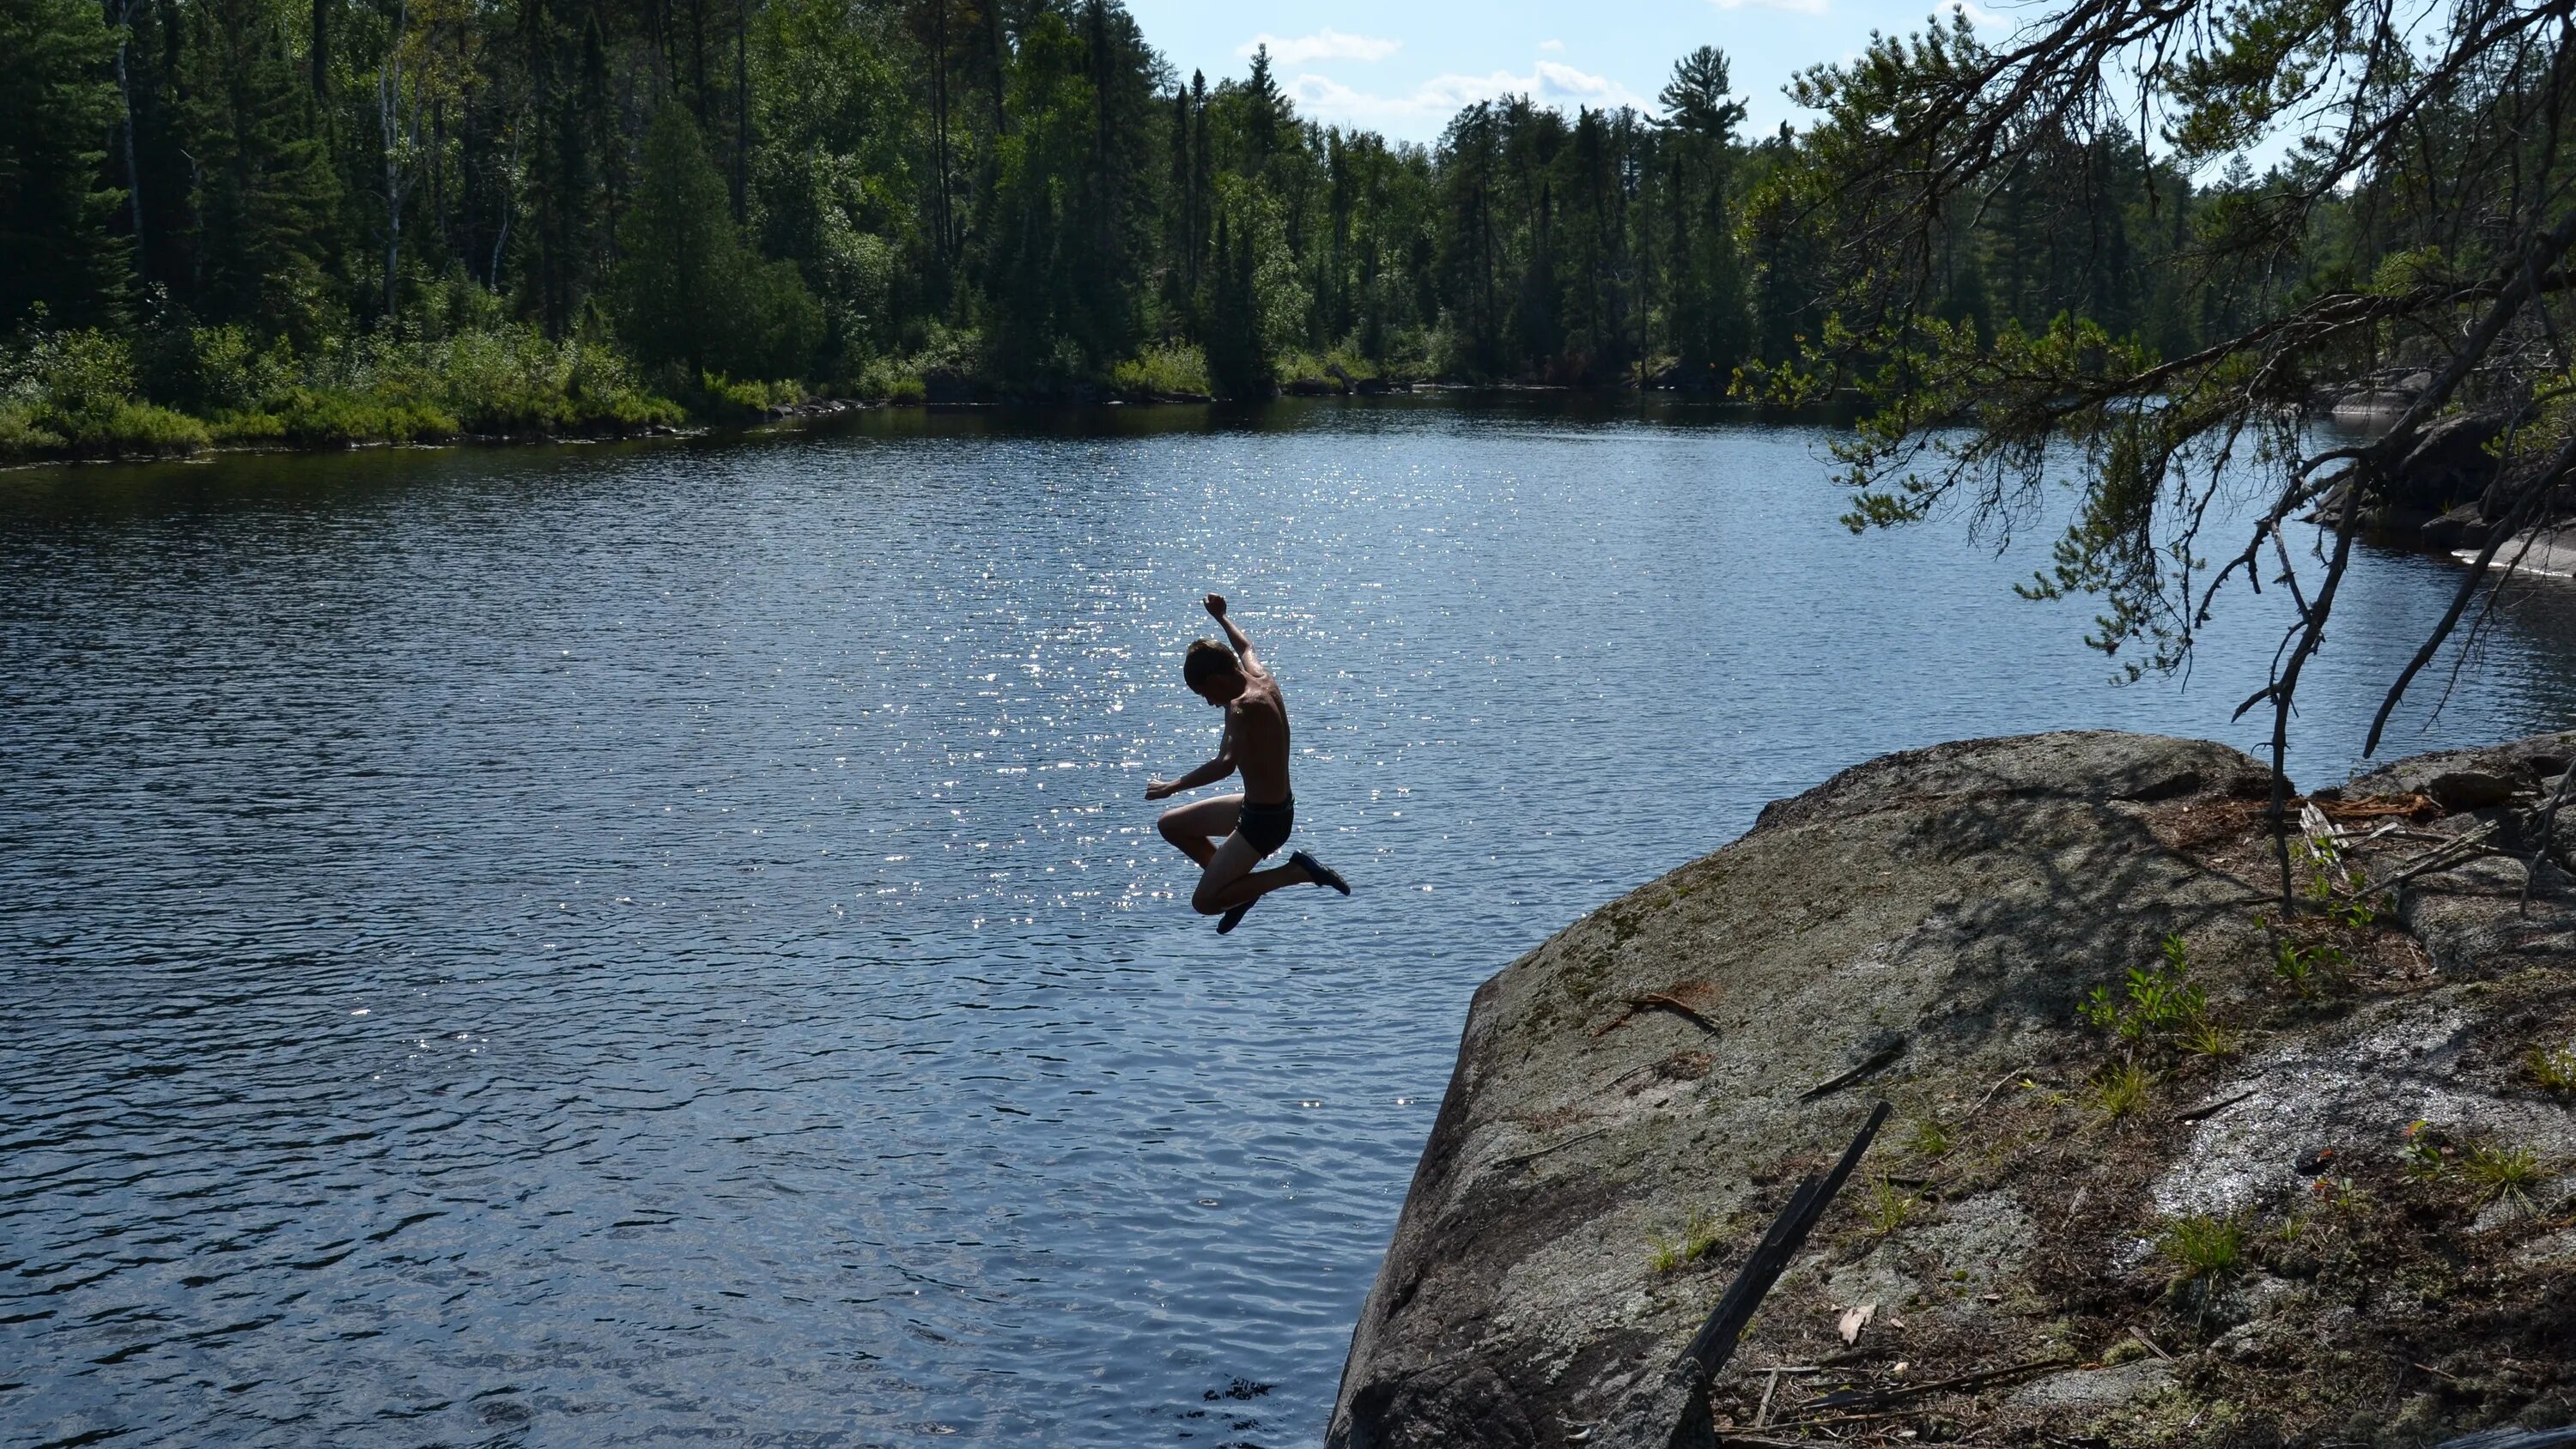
<point>1233,917</point>
<point>1318,872</point>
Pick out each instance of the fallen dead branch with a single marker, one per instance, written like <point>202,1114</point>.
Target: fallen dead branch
<point>1672,1411</point>
<point>1660,1001</point>
<point>1535,1153</point>
<point>2411,806</point>
<point>1771,1386</point>
<point>1876,1062</point>
<point>2461,850</point>
<point>1872,1400</point>
<point>2211,1109</point>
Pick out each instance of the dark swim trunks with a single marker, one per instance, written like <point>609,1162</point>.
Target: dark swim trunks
<point>1266,827</point>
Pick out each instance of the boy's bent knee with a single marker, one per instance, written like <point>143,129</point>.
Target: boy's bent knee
<point>1204,901</point>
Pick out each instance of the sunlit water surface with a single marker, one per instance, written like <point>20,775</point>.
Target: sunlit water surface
<point>664,944</point>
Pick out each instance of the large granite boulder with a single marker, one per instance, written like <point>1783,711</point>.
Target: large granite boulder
<point>2217,1230</point>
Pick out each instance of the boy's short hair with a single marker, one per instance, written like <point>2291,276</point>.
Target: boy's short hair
<point>1207,660</point>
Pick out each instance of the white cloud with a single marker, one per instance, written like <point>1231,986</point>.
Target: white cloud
<point>1550,83</point>
<point>1801,7</point>
<point>1551,45</point>
<point>1560,81</point>
<point>1325,44</point>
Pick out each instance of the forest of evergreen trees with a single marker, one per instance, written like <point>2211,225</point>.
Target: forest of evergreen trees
<point>318,220</point>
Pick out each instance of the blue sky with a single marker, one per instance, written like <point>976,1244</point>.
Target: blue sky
<point>1404,69</point>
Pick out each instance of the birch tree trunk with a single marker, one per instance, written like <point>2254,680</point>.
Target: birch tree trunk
<point>389,114</point>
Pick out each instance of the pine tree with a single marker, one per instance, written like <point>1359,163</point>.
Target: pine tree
<point>1264,111</point>
<point>1238,356</point>
<point>1073,204</point>
<point>1536,333</point>
<point>1202,182</point>
<point>154,162</point>
<point>267,193</point>
<point>56,218</point>
<point>564,193</point>
<point>1470,164</point>
<point>1710,326</point>
<point>1180,280</point>
<point>689,289</point>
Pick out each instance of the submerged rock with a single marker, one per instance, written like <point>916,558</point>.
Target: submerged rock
<point>2546,552</point>
<point>2207,1225</point>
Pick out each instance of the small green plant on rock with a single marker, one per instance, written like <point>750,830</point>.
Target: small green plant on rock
<point>2336,885</point>
<point>2158,1006</point>
<point>2321,868</point>
<point>2340,1194</point>
<point>2206,1038</point>
<point>2305,969</point>
<point>1929,1138</point>
<point>1890,1205</point>
<point>2551,1071</point>
<point>2118,1093</point>
<point>2423,1156</point>
<point>2203,1248</point>
<point>1699,1234</point>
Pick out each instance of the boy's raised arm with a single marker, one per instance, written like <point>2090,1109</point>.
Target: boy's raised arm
<point>1233,635</point>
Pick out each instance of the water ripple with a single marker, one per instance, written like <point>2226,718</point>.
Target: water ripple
<point>633,944</point>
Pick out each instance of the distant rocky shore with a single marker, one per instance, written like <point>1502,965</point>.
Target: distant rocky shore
<point>2448,492</point>
<point>2168,1167</point>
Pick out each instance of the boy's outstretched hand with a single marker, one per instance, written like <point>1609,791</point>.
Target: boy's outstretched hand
<point>1216,605</point>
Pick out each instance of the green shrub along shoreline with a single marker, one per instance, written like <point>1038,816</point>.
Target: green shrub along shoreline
<point>90,395</point>
<point>87,393</point>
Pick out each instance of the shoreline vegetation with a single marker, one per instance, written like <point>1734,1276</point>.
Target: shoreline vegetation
<point>512,387</point>
<point>77,397</point>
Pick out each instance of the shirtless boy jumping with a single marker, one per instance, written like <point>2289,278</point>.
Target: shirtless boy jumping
<point>1230,834</point>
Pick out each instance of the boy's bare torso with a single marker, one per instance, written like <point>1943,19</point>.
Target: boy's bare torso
<point>1257,726</point>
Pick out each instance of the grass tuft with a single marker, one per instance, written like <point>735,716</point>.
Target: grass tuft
<point>1890,1206</point>
<point>2206,1038</point>
<point>1930,1138</point>
<point>2552,1071</point>
<point>1699,1234</point>
<point>2202,1247</point>
<point>2120,1092</point>
<point>2503,1172</point>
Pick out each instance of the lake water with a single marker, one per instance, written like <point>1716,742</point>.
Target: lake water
<point>659,944</point>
